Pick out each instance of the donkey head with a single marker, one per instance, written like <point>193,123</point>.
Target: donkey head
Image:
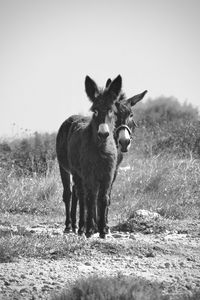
<point>125,123</point>
<point>103,107</point>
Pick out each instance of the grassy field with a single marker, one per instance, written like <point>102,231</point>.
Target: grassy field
<point>160,174</point>
<point>166,185</point>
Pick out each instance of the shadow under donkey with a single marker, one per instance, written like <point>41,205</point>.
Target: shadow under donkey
<point>90,149</point>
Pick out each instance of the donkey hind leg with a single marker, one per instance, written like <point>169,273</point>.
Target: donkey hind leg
<point>103,203</point>
<point>74,208</point>
<point>65,177</point>
<point>79,196</point>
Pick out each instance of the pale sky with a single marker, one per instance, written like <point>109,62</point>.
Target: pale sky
<point>47,47</point>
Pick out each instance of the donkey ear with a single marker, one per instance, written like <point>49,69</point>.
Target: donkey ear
<point>91,88</point>
<point>133,100</point>
<point>115,86</point>
<point>108,82</point>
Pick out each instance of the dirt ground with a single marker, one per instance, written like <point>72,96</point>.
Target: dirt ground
<point>171,258</point>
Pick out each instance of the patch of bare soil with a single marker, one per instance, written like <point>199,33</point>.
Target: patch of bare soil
<point>170,258</point>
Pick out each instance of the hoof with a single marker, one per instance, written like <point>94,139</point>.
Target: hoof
<point>102,235</point>
<point>89,233</point>
<point>75,230</point>
<point>67,230</point>
<point>81,231</point>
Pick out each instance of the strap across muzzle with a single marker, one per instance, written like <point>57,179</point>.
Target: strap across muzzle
<point>121,127</point>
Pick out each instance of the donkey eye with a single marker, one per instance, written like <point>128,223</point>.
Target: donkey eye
<point>131,116</point>
<point>96,113</point>
<point>110,113</point>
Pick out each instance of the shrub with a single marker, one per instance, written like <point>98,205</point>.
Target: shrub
<point>29,155</point>
<point>112,288</point>
<point>166,126</point>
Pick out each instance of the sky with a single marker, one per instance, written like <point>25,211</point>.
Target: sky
<point>47,47</point>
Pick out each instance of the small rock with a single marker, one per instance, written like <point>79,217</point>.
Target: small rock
<point>53,251</point>
<point>132,236</point>
<point>87,263</point>
<point>167,265</point>
<point>161,267</point>
<point>117,235</point>
<point>41,273</point>
<point>23,276</point>
<point>24,290</point>
<point>150,254</point>
<point>45,288</point>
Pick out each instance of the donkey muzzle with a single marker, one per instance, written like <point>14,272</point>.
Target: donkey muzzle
<point>103,132</point>
<point>124,138</point>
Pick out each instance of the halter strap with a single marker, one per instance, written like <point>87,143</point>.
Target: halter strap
<point>123,126</point>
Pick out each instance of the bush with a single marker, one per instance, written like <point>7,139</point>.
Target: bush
<point>166,126</point>
<point>27,156</point>
<point>114,288</point>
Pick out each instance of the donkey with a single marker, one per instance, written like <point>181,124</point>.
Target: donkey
<point>88,152</point>
<point>125,127</point>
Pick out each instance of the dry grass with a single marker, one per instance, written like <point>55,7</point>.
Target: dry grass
<point>164,184</point>
<point>117,288</point>
<point>35,194</point>
<point>45,246</point>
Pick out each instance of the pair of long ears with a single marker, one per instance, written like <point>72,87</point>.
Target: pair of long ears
<point>92,90</point>
<point>133,100</point>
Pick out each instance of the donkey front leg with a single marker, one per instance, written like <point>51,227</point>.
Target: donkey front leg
<point>90,200</point>
<point>103,204</point>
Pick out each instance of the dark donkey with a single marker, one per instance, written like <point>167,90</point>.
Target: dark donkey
<point>87,150</point>
<point>125,126</point>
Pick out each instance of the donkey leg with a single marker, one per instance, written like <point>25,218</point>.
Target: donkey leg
<point>65,177</point>
<point>74,208</point>
<point>90,199</point>
<point>103,203</point>
<point>78,189</point>
<point>115,175</point>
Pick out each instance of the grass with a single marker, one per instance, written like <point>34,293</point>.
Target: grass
<point>24,244</point>
<point>118,288</point>
<point>30,194</point>
<point>163,184</point>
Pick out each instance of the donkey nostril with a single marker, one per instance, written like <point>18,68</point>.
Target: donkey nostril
<point>103,135</point>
